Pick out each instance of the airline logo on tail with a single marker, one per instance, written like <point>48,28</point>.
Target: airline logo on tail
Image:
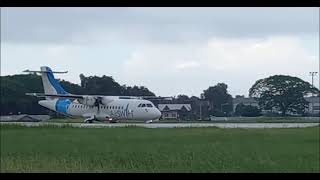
<point>56,85</point>
<point>50,83</point>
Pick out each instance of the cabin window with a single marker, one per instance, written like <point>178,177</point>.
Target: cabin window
<point>149,105</point>
<point>122,107</point>
<point>143,105</point>
<point>139,105</point>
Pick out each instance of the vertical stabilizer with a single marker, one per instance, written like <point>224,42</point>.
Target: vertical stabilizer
<point>50,84</point>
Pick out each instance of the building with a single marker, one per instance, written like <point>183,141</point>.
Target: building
<point>24,118</point>
<point>174,111</point>
<point>313,107</point>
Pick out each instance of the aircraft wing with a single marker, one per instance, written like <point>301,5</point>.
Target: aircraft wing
<point>91,100</point>
<point>71,96</point>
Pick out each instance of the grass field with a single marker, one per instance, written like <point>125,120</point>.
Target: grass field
<point>49,149</point>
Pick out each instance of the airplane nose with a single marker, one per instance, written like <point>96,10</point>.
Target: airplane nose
<point>158,114</point>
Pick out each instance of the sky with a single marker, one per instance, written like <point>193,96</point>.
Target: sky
<point>170,51</point>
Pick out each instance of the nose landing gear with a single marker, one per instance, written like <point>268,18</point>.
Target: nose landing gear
<point>149,121</point>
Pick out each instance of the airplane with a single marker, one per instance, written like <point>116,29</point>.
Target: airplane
<point>94,107</point>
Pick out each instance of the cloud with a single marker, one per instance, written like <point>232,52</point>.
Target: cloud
<point>238,62</point>
<point>168,50</point>
<point>186,65</point>
<point>171,68</point>
<point>73,25</point>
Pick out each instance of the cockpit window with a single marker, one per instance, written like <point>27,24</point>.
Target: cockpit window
<point>145,105</point>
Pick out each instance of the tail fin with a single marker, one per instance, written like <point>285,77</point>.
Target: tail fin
<point>50,84</point>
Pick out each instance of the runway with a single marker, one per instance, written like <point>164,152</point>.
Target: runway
<point>169,125</point>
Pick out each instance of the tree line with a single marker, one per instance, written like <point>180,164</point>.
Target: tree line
<point>285,93</point>
<point>14,100</point>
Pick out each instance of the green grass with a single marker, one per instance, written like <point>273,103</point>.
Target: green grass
<point>131,149</point>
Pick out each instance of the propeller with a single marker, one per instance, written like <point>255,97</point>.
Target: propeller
<point>98,101</point>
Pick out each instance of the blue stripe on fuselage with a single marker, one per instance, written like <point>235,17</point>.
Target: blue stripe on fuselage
<point>55,83</point>
<point>62,105</point>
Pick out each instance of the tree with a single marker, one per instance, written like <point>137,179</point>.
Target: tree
<point>181,98</point>
<point>219,99</point>
<point>104,85</point>
<point>283,92</point>
<point>247,110</point>
<point>13,98</point>
<point>136,91</point>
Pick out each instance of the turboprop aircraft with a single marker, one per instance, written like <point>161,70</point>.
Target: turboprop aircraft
<point>94,107</point>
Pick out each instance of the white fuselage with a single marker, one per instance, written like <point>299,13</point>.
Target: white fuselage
<point>122,109</point>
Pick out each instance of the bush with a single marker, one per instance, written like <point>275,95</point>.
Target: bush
<point>247,110</point>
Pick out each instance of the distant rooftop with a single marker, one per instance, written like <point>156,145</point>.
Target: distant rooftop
<point>163,107</point>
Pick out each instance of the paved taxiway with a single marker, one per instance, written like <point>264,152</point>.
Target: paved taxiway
<point>171,125</point>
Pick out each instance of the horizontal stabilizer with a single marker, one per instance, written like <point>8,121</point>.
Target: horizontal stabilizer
<point>45,71</point>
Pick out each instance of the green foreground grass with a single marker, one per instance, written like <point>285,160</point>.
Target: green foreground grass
<point>133,149</point>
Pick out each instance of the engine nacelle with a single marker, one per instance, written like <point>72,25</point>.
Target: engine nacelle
<point>88,100</point>
<point>91,100</point>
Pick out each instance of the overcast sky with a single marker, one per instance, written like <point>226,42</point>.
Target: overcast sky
<point>171,51</point>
